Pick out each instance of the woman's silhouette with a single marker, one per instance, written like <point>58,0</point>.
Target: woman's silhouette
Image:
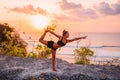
<point>61,42</point>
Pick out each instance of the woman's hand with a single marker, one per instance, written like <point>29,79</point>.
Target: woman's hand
<point>47,30</point>
<point>84,37</point>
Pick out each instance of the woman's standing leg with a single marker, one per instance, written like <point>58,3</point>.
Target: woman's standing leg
<point>53,60</point>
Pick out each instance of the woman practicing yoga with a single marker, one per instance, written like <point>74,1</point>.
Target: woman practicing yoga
<point>61,42</point>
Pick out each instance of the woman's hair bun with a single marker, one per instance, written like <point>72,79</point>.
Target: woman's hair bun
<point>64,32</point>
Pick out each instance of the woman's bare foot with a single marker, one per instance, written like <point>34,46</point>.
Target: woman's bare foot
<point>54,70</point>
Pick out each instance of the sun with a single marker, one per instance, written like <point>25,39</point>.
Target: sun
<point>40,21</point>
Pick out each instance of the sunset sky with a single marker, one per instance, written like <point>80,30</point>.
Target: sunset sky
<point>72,15</point>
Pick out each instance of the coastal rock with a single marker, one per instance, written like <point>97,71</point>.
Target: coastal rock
<point>14,68</point>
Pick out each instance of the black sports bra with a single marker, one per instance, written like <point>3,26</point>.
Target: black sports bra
<point>61,43</point>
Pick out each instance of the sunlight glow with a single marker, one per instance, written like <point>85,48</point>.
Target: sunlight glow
<point>40,21</point>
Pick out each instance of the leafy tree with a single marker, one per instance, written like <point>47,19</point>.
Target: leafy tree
<point>52,27</point>
<point>82,54</point>
<point>10,42</point>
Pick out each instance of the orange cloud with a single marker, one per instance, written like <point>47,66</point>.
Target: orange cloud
<point>69,5</point>
<point>29,9</point>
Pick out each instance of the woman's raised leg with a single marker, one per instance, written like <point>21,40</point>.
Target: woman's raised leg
<point>42,38</point>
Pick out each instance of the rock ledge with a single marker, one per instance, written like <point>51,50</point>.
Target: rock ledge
<point>14,68</point>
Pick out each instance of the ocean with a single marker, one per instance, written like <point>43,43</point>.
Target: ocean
<point>104,45</point>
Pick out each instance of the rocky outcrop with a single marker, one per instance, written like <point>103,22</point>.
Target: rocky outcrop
<point>14,68</point>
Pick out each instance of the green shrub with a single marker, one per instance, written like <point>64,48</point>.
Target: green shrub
<point>82,54</point>
<point>10,42</point>
<point>40,52</point>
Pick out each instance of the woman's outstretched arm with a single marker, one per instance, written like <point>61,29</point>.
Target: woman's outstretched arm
<point>71,40</point>
<point>58,36</point>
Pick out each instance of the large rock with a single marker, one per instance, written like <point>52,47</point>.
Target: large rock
<point>14,68</point>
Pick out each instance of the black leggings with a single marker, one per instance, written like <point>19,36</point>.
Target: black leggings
<point>50,45</point>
